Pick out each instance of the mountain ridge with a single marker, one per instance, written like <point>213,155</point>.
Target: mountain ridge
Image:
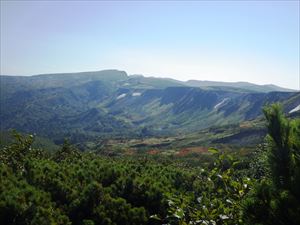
<point>238,84</point>
<point>110,103</point>
<point>194,83</point>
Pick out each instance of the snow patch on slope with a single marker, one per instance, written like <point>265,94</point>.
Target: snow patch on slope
<point>221,103</point>
<point>297,108</point>
<point>121,96</point>
<point>136,94</point>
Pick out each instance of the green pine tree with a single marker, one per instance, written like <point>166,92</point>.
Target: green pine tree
<point>276,200</point>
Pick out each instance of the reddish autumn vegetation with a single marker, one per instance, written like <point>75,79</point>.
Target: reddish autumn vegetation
<point>187,151</point>
<point>153,152</point>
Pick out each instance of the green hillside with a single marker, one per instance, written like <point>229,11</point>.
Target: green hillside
<point>110,104</point>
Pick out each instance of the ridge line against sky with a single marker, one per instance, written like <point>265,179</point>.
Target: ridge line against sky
<point>147,76</point>
<point>251,41</point>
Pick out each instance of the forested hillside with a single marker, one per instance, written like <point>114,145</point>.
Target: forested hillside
<point>71,187</point>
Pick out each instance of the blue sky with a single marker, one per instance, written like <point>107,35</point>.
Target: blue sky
<point>255,41</point>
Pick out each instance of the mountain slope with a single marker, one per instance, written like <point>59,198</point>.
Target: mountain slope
<point>110,103</point>
<point>187,108</point>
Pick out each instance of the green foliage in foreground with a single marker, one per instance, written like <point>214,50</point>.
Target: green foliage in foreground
<point>276,198</point>
<point>70,187</point>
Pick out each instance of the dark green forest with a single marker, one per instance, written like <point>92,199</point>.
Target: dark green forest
<point>84,188</point>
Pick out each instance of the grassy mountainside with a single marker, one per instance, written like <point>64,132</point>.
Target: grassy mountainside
<point>106,104</point>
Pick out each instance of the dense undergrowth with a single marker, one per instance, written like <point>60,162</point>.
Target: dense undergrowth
<point>71,187</point>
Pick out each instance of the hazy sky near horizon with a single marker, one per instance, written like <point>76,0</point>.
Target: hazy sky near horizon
<point>254,41</point>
